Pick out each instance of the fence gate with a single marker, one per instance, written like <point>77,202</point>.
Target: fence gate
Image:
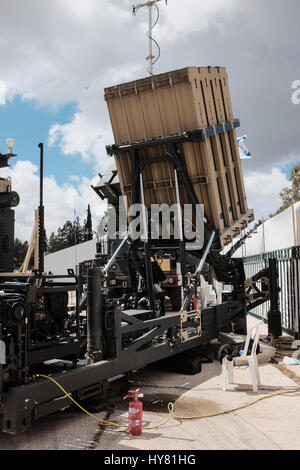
<point>289,283</point>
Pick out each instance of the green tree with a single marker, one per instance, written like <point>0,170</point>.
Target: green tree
<point>291,195</point>
<point>20,250</point>
<point>46,242</point>
<point>88,227</point>
<point>67,236</point>
<point>53,244</point>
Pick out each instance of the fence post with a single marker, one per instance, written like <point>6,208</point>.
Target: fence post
<point>274,314</point>
<point>296,273</point>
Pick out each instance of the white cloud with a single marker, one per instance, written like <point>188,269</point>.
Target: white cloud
<point>89,131</point>
<point>2,92</point>
<point>75,178</point>
<point>60,201</point>
<point>81,136</point>
<point>54,51</point>
<point>66,51</point>
<point>183,18</point>
<point>85,136</point>
<point>263,188</point>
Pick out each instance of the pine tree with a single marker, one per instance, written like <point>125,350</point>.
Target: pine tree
<point>88,225</point>
<point>291,195</point>
<point>20,250</point>
<point>54,244</point>
<point>67,236</point>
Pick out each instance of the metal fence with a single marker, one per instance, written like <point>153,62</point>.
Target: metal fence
<point>289,282</point>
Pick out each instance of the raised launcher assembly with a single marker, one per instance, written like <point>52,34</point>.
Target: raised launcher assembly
<point>181,120</point>
<point>139,301</point>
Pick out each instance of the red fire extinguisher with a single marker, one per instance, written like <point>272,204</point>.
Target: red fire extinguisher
<point>135,416</point>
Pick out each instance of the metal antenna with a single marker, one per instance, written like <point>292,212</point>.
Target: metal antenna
<point>149,5</point>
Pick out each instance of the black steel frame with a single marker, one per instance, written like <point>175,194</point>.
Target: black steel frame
<point>28,354</point>
<point>197,135</point>
<point>136,340</point>
<point>24,404</point>
<point>173,157</point>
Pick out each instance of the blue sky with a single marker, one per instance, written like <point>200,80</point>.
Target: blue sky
<point>57,56</point>
<point>29,125</point>
<point>286,169</point>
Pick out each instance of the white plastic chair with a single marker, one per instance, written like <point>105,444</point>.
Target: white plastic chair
<point>228,366</point>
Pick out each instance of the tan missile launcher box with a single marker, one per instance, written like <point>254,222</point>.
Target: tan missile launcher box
<point>175,104</point>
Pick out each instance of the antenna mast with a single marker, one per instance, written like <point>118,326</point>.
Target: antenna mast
<point>149,5</point>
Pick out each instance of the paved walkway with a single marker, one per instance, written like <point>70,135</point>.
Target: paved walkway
<point>271,424</point>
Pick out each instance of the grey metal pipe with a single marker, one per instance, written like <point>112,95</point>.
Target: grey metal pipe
<point>179,211</point>
<point>205,254</point>
<point>192,290</point>
<point>81,306</point>
<point>114,256</point>
<point>145,224</point>
<point>94,316</point>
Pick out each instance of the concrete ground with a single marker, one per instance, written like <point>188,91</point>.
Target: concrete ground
<point>272,424</point>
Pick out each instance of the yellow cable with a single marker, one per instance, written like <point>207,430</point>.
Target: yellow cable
<point>171,408</point>
<point>247,405</point>
<point>171,415</point>
<point>105,423</point>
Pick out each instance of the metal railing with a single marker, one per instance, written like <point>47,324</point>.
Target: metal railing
<point>289,282</point>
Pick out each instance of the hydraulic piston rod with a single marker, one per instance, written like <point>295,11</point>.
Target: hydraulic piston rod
<point>116,253</point>
<point>205,254</point>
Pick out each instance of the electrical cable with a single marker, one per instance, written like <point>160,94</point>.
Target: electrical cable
<point>104,423</point>
<point>158,57</point>
<point>157,19</point>
<point>152,39</point>
<point>171,408</point>
<point>247,405</point>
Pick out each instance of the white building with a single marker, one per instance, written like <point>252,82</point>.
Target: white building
<point>58,263</point>
<point>280,232</point>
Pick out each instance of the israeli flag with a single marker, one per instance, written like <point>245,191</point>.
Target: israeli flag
<point>245,154</point>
